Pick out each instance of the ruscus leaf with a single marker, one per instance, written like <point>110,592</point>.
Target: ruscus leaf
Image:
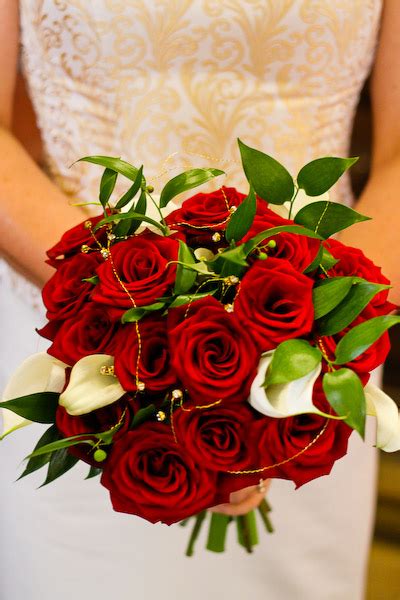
<point>270,180</point>
<point>186,181</point>
<point>345,393</point>
<point>319,175</point>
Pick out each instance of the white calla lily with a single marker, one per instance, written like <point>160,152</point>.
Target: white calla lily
<point>92,385</point>
<point>387,416</point>
<point>283,400</point>
<point>204,254</point>
<point>38,373</point>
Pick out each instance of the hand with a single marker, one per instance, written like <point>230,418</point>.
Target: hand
<point>243,501</point>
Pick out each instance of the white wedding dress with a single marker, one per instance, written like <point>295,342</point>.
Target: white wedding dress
<point>146,79</point>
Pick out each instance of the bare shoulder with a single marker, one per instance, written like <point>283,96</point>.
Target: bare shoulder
<point>385,85</point>
<point>9,36</point>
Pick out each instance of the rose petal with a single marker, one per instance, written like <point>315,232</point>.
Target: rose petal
<point>88,388</point>
<point>38,373</point>
<point>387,416</point>
<point>284,400</point>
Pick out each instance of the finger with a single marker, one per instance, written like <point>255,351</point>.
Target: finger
<point>240,508</point>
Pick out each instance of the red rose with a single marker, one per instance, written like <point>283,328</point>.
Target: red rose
<point>299,250</point>
<point>369,360</point>
<point>217,438</point>
<point>280,439</point>
<point>275,303</point>
<point>353,262</point>
<point>89,332</point>
<point>149,475</point>
<point>141,262</point>
<point>65,292</point>
<point>154,368</point>
<point>74,238</point>
<point>102,419</point>
<point>203,214</point>
<point>212,354</point>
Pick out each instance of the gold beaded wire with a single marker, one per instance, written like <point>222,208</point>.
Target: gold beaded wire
<point>88,224</point>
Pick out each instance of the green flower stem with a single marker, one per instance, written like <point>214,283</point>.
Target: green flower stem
<point>247,531</point>
<point>264,509</point>
<point>217,532</point>
<point>195,532</point>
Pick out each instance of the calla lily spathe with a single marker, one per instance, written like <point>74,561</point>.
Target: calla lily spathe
<point>38,373</point>
<point>283,400</point>
<point>387,416</point>
<point>88,388</point>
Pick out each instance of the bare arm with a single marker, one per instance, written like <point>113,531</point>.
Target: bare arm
<point>380,238</point>
<point>33,211</point>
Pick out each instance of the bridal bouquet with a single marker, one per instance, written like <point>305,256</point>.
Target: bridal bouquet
<point>199,350</point>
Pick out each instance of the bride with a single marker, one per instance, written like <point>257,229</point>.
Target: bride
<point>155,82</point>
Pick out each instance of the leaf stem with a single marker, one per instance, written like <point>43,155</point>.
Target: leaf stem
<point>158,209</point>
<point>292,201</point>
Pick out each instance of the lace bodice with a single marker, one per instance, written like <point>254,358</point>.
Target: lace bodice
<point>143,80</point>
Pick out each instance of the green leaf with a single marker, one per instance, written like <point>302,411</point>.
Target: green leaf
<point>128,226</point>
<point>291,360</point>
<point>217,532</point>
<point>63,443</point>
<point>251,244</point>
<point>37,462</point>
<point>328,261</point>
<point>231,262</point>
<point>327,218</point>
<point>93,472</point>
<point>186,181</point>
<point>183,299</point>
<point>318,176</point>
<point>107,185</point>
<point>270,180</point>
<point>134,216</point>
<point>316,262</point>
<point>242,219</point>
<point>114,163</point>
<point>60,462</point>
<point>40,407</point>
<point>328,293</point>
<point>345,394</point>
<point>185,278</point>
<point>138,312</point>
<point>362,336</point>
<point>133,190</point>
<point>143,415</point>
<point>94,280</point>
<point>359,295</point>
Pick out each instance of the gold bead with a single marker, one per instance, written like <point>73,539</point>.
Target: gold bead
<point>110,236</point>
<point>233,209</point>
<point>216,237</point>
<point>85,248</point>
<point>141,386</point>
<point>150,189</point>
<point>231,280</point>
<point>107,370</point>
<point>105,253</point>
<point>177,394</point>
<point>220,250</point>
<point>88,225</point>
<point>161,416</point>
<point>229,308</point>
